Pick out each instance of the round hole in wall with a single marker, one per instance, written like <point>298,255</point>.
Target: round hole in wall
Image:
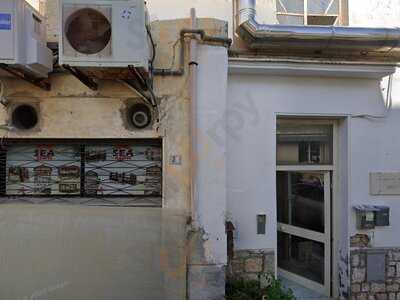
<point>88,31</point>
<point>140,116</point>
<point>24,117</point>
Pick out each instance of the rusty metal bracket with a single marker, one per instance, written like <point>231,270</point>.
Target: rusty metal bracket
<point>82,77</point>
<point>42,83</point>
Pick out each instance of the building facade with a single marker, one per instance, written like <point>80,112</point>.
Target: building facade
<point>293,143</point>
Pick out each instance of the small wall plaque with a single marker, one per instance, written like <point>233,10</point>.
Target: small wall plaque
<point>385,183</point>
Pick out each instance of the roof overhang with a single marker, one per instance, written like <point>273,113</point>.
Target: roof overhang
<point>277,67</point>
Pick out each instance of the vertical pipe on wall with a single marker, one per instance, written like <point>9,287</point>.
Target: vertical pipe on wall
<point>193,120</point>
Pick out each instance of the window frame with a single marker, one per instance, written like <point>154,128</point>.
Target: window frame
<point>305,13</point>
<point>82,197</point>
<point>307,166</point>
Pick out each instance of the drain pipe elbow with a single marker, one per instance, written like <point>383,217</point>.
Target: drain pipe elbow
<point>246,11</point>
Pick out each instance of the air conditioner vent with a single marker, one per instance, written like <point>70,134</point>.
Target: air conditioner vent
<point>23,39</point>
<point>107,34</point>
<point>88,31</point>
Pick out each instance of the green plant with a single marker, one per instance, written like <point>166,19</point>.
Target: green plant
<point>241,289</point>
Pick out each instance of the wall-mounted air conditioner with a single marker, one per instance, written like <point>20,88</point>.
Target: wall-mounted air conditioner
<point>104,33</point>
<point>23,39</point>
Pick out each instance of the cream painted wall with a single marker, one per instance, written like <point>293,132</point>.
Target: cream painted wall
<point>71,250</point>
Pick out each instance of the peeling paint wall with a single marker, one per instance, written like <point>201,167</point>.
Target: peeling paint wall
<point>103,253</point>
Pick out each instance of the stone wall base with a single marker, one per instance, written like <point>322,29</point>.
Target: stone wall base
<point>362,288</point>
<point>252,264</point>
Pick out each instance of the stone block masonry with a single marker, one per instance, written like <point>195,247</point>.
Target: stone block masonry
<point>251,264</point>
<point>387,289</point>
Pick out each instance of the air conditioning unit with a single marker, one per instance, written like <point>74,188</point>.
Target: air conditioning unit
<point>23,39</point>
<point>104,33</point>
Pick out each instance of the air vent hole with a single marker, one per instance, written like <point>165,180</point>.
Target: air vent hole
<point>140,116</point>
<point>24,117</point>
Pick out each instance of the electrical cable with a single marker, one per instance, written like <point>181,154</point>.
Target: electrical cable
<point>152,45</point>
<point>150,82</point>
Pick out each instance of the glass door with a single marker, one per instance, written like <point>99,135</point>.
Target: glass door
<point>304,233</point>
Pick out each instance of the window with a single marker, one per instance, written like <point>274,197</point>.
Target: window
<point>308,12</point>
<point>304,144</point>
<point>119,169</point>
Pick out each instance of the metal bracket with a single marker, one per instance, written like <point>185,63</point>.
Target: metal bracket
<point>42,83</point>
<point>82,77</point>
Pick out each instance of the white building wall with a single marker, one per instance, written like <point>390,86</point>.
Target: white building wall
<point>380,141</point>
<point>254,102</point>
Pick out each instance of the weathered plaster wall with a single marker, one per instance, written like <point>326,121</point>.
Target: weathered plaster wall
<point>59,233</point>
<point>207,267</point>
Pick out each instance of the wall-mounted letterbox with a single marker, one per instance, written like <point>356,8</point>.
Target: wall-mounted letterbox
<point>365,216</point>
<point>369,216</point>
<point>382,216</point>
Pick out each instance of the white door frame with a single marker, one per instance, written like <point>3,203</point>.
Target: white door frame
<point>324,238</point>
